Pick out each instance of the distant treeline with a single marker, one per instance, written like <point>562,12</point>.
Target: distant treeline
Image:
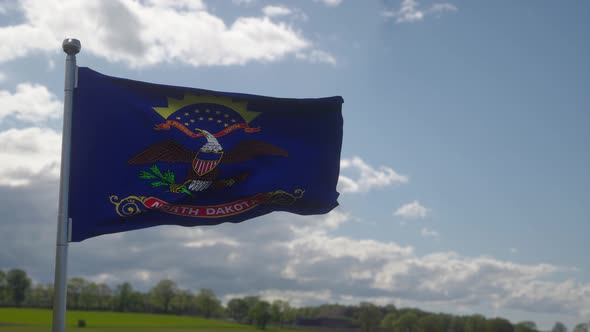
<point>16,289</point>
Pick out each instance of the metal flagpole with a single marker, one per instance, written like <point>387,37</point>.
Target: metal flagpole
<point>71,47</point>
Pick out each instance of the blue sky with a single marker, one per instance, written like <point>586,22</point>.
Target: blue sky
<point>464,164</point>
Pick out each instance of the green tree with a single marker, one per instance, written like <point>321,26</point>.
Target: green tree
<point>17,283</point>
<point>237,309</point>
<point>89,297</point>
<point>105,295</point>
<point>123,297</point>
<point>3,288</point>
<point>559,327</point>
<point>75,286</point>
<point>388,309</point>
<point>475,323</point>
<point>139,302</point>
<point>260,314</point>
<point>163,293</point>
<point>389,320</point>
<point>457,324</point>
<point>499,325</point>
<point>208,304</point>
<point>369,316</point>
<point>41,296</point>
<point>281,312</point>
<point>312,312</point>
<point>251,302</point>
<point>526,326</point>
<point>183,302</point>
<point>433,323</point>
<point>407,322</point>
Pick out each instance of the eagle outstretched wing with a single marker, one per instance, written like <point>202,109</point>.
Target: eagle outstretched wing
<point>173,152</point>
<point>166,151</point>
<point>250,149</point>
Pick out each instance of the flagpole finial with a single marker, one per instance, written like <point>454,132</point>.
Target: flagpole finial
<point>71,46</point>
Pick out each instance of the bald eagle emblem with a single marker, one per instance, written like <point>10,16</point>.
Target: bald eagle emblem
<point>222,116</point>
<point>204,173</point>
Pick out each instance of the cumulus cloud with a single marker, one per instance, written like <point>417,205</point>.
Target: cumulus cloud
<point>317,56</point>
<point>412,210</point>
<point>330,3</point>
<point>31,103</point>
<point>178,4</point>
<point>558,297</point>
<point>151,32</point>
<point>271,11</point>
<point>410,11</point>
<point>302,259</point>
<point>33,153</point>
<point>428,232</point>
<point>366,177</point>
<point>28,154</point>
<point>243,2</point>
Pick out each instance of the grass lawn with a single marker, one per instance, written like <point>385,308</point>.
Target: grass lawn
<point>37,320</point>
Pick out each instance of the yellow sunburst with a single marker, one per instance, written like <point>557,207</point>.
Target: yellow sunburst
<point>240,107</point>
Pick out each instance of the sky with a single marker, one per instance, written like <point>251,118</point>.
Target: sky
<point>465,163</point>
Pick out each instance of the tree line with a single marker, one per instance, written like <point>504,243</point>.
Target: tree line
<point>17,290</point>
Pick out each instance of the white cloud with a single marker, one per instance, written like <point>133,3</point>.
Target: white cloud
<point>149,33</point>
<point>412,210</point>
<point>211,242</point>
<point>28,153</point>
<point>368,177</point>
<point>317,56</point>
<point>12,45</point>
<point>30,103</point>
<point>330,3</point>
<point>271,11</point>
<point>409,11</point>
<point>189,5</point>
<point>428,232</point>
<point>297,258</point>
<point>543,296</point>
<point>2,76</point>
<point>243,2</point>
<point>442,7</point>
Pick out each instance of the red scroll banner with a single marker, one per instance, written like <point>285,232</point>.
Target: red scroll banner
<point>212,211</point>
<point>171,123</point>
<point>131,205</point>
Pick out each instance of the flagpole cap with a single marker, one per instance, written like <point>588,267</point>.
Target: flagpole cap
<point>71,46</point>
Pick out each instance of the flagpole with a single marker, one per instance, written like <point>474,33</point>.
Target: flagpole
<point>71,47</point>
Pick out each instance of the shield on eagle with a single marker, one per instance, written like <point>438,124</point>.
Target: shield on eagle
<point>206,161</point>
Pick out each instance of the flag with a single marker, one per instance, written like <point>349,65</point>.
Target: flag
<point>146,154</point>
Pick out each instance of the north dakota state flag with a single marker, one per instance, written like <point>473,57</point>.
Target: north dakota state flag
<point>145,155</point>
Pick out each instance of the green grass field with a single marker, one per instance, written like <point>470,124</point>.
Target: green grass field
<point>37,320</point>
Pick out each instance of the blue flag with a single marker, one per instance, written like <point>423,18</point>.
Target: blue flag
<point>146,154</point>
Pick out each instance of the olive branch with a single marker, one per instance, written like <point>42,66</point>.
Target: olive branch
<point>165,179</point>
